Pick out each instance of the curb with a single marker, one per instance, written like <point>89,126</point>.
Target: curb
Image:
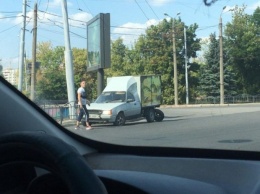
<point>205,105</point>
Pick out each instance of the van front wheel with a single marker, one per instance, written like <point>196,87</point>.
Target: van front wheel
<point>120,119</point>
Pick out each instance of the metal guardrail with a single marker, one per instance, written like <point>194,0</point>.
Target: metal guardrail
<point>243,98</point>
<point>59,110</point>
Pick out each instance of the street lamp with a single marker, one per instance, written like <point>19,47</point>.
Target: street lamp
<point>174,61</point>
<point>221,59</point>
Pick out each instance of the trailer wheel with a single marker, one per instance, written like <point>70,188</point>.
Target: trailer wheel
<point>120,119</point>
<point>150,115</point>
<point>159,115</point>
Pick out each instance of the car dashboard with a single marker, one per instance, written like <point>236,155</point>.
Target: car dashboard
<point>178,175</point>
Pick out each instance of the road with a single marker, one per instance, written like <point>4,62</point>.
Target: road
<point>221,127</point>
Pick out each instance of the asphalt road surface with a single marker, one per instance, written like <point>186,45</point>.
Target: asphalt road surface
<point>222,127</point>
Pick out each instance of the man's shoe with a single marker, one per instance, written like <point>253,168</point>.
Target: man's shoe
<point>88,128</point>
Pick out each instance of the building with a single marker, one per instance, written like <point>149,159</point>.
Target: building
<point>11,75</point>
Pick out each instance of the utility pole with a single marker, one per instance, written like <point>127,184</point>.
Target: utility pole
<point>186,67</point>
<point>175,79</point>
<point>34,42</point>
<point>68,61</point>
<point>21,55</point>
<point>174,65</point>
<point>26,73</point>
<point>221,59</point>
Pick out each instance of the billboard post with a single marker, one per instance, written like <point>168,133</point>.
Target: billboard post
<point>98,47</point>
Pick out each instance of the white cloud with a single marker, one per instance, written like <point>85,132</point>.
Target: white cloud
<point>19,18</point>
<point>254,6</point>
<point>81,18</point>
<point>130,32</point>
<point>4,19</point>
<point>57,3</point>
<point>159,2</point>
<point>151,22</point>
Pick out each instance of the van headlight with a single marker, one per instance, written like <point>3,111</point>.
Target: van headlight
<point>107,112</point>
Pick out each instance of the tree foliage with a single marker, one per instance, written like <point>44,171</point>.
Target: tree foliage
<point>51,80</point>
<point>210,73</point>
<point>80,73</point>
<point>243,43</point>
<point>51,77</point>
<point>152,53</point>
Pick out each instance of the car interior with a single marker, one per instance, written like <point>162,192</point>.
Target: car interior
<point>40,156</point>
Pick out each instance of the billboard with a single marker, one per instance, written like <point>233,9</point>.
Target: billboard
<point>98,42</point>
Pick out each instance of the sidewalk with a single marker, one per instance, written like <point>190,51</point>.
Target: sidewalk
<point>69,123</point>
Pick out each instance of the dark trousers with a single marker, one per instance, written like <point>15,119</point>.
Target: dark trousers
<point>83,111</point>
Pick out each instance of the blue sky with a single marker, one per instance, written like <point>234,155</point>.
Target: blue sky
<point>129,18</point>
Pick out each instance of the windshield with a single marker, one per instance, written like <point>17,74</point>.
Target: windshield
<point>107,97</point>
<point>164,73</point>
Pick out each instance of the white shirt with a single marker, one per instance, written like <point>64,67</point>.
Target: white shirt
<point>82,93</point>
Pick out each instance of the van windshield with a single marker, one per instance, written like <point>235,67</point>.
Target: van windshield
<point>113,97</point>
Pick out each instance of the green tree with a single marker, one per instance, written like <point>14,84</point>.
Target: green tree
<point>80,73</point>
<point>256,17</point>
<point>118,61</point>
<point>155,56</point>
<point>152,54</point>
<point>243,44</point>
<point>210,75</point>
<point>51,79</point>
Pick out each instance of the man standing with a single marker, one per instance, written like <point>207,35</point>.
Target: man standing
<point>82,100</point>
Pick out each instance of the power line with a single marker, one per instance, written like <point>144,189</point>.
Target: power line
<point>142,10</point>
<point>61,16</point>
<point>85,22</point>
<point>10,28</point>
<point>69,31</point>
<point>46,9</point>
<point>87,7</point>
<point>10,12</point>
<point>152,9</point>
<point>206,27</point>
<point>7,17</point>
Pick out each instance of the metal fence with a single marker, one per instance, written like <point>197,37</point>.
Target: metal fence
<point>243,98</point>
<point>59,110</point>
